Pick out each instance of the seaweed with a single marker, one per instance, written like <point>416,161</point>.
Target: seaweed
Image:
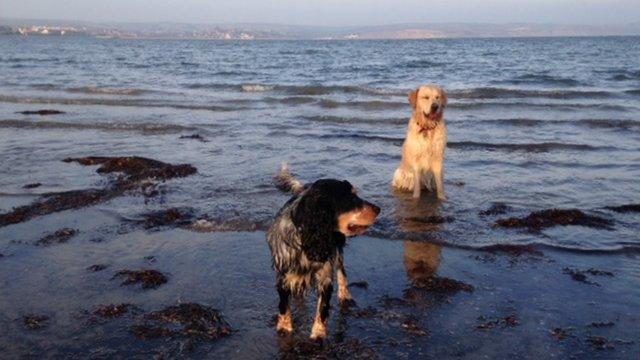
<point>59,237</point>
<point>32,186</point>
<point>190,320</point>
<point>148,278</point>
<point>539,220</point>
<point>111,310</point>
<point>34,321</point>
<point>96,267</point>
<point>441,285</point>
<point>136,174</point>
<point>41,112</point>
<point>496,208</point>
<point>625,208</point>
<point>487,324</point>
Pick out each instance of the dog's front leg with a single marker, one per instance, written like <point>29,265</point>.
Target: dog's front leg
<point>285,323</point>
<point>417,183</point>
<point>438,175</point>
<point>325,289</point>
<point>344,296</point>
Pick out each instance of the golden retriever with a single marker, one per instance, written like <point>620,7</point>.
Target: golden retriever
<point>422,162</point>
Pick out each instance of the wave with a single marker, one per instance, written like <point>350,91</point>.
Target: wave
<point>543,106</point>
<point>107,91</point>
<point>299,90</point>
<point>544,79</point>
<point>362,105</point>
<point>421,64</point>
<point>355,120</point>
<point>256,88</point>
<point>624,75</point>
<point>526,147</point>
<point>141,127</point>
<point>499,93</point>
<point>144,103</point>
<point>592,123</point>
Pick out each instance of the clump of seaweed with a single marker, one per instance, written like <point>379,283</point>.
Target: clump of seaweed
<point>59,237</point>
<point>441,285</point>
<point>487,324</point>
<point>539,220</point>
<point>496,208</point>
<point>111,310</point>
<point>96,267</point>
<point>148,278</point>
<point>625,208</point>
<point>41,112</point>
<point>136,173</point>
<point>189,320</point>
<point>195,137</point>
<point>168,217</point>
<point>32,186</point>
<point>34,321</point>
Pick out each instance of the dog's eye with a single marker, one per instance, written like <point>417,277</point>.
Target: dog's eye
<point>437,97</point>
<point>426,97</point>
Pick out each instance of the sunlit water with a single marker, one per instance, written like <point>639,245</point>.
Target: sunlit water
<point>534,123</point>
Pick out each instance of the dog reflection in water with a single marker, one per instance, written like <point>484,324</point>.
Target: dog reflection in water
<point>421,258</point>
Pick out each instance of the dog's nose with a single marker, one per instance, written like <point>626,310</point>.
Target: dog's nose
<point>376,209</point>
<point>434,107</point>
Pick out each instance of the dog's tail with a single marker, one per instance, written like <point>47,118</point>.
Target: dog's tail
<point>285,182</point>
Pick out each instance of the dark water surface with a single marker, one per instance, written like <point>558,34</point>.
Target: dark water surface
<point>532,123</point>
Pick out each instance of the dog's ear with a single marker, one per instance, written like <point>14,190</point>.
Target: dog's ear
<point>316,222</point>
<point>413,98</point>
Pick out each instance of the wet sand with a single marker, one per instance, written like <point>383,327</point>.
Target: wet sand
<point>413,298</point>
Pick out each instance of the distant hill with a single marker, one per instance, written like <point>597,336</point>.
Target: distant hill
<point>165,30</point>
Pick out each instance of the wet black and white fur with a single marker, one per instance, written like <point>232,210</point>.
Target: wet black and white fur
<point>306,242</point>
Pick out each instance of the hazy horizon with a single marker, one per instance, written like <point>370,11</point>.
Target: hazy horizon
<point>331,12</point>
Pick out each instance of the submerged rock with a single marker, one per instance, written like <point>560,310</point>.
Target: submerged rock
<point>539,220</point>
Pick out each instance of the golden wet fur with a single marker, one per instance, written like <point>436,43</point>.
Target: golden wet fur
<point>422,164</point>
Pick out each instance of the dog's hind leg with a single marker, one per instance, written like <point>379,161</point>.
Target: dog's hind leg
<point>344,296</point>
<point>285,323</point>
<point>325,289</point>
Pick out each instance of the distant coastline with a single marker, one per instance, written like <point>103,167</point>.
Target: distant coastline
<point>177,31</point>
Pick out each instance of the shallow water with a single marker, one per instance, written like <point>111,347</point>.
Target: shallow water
<point>532,123</point>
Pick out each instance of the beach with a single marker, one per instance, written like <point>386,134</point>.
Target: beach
<point>136,190</point>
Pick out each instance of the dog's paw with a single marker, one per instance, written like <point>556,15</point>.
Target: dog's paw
<point>347,303</point>
<point>285,324</point>
<point>318,332</point>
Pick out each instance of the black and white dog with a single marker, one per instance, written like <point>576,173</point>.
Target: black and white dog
<point>306,242</point>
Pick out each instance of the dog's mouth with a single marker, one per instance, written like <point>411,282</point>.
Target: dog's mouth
<point>357,222</point>
<point>357,229</point>
<point>432,119</point>
<point>433,115</point>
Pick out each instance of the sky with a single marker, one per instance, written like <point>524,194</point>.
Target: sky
<point>329,12</point>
